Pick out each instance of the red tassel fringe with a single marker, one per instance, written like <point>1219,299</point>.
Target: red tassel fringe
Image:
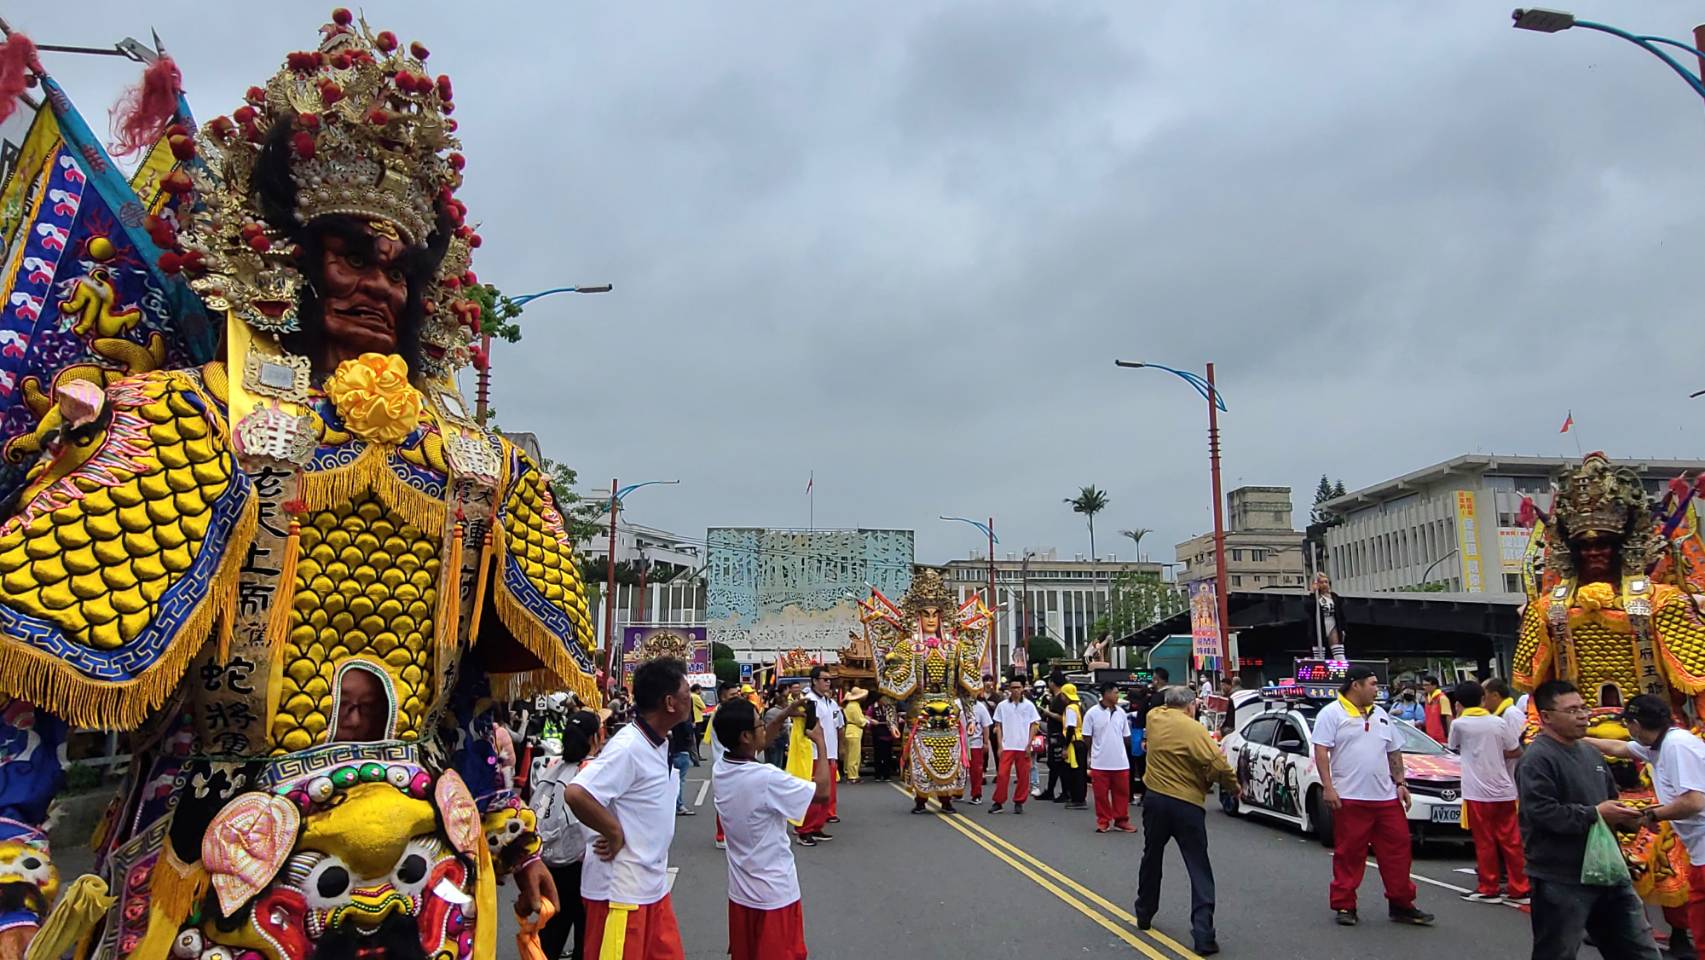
<point>17,62</point>
<point>142,114</point>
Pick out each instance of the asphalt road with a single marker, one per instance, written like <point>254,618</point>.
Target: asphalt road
<point>1045,885</point>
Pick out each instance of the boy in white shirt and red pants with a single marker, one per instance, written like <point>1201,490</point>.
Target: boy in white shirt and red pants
<point>625,797</point>
<point>1486,743</point>
<point>756,801</point>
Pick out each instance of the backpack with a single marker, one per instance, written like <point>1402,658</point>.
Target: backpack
<point>562,839</point>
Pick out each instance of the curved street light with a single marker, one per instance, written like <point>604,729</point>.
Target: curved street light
<point>1216,406</point>
<point>1541,20</point>
<point>617,493</point>
<point>988,529</point>
<point>482,390</point>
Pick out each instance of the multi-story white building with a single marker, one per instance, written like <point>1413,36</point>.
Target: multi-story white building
<point>1453,523</point>
<point>1261,548</point>
<point>1065,596</point>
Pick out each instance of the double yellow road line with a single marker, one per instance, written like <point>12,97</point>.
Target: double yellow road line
<point>1114,919</point>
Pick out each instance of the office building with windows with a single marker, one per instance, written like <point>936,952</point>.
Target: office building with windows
<point>1453,525</point>
<point>1065,596</point>
<point>1261,548</point>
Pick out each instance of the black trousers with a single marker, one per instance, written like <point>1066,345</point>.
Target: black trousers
<point>1614,916</point>
<point>884,750</point>
<point>1168,818</point>
<point>1077,778</point>
<point>569,923</point>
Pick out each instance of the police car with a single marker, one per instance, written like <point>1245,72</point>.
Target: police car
<point>1272,751</point>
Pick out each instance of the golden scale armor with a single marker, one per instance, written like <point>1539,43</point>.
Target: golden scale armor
<point>1639,633</point>
<point>201,555</point>
<point>929,651</point>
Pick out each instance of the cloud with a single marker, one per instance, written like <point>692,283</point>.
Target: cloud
<point>900,244</point>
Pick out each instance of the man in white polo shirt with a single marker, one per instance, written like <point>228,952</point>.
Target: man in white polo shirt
<point>1108,730</point>
<point>1016,720</point>
<point>1487,744</point>
<point>1677,758</point>
<point>1358,751</point>
<point>625,797</point>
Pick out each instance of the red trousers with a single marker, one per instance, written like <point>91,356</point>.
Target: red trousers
<point>834,791</point>
<point>1010,760</point>
<point>649,933</point>
<point>1112,789</point>
<point>1496,837</point>
<point>974,766</point>
<point>719,836</point>
<point>817,815</point>
<point>777,934</point>
<point>1696,904</point>
<point>1380,823</point>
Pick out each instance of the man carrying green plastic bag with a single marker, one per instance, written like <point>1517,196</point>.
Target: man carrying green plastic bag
<point>1568,810</point>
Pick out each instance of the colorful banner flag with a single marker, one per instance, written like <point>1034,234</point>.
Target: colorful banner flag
<point>1204,625</point>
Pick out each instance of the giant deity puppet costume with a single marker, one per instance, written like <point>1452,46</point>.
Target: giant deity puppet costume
<point>1614,607</point>
<point>929,652</point>
<point>294,568</point>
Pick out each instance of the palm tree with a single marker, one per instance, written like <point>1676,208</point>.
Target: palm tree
<point>1136,537</point>
<point>1089,502</point>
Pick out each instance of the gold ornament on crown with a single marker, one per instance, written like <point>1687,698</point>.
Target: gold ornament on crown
<point>1599,500</point>
<point>368,135</point>
<point>928,591</point>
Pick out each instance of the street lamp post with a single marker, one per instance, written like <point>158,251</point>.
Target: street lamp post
<point>482,390</point>
<point>989,529</point>
<point>1553,21</point>
<point>617,492</point>
<point>1216,404</point>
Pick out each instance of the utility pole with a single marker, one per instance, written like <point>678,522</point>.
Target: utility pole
<point>1024,592</point>
<point>1219,525</point>
<point>991,663</point>
<point>610,595</point>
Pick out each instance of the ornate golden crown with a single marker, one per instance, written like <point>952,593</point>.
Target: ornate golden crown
<point>368,136</point>
<point>1599,499</point>
<point>927,591</point>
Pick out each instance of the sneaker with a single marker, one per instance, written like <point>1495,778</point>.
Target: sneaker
<point>1127,828</point>
<point>1478,897</point>
<point>1018,808</point>
<point>996,808</point>
<point>1077,806</point>
<point>805,839</point>
<point>722,844</point>
<point>947,806</point>
<point>1518,901</point>
<point>1143,923</point>
<point>974,801</point>
<point>1412,916</point>
<point>1348,918</point>
<point>820,835</point>
<point>1208,948</point>
<point>833,820</point>
<point>1100,829</point>
<point>687,812</point>
<point>1036,793</point>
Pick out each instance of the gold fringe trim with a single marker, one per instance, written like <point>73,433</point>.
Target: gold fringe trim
<point>278,618</point>
<point>371,471</point>
<point>480,580</point>
<point>447,625</point>
<point>563,672</point>
<point>62,689</point>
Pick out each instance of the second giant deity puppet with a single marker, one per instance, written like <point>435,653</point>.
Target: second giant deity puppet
<point>1614,607</point>
<point>296,573</point>
<point>929,653</point>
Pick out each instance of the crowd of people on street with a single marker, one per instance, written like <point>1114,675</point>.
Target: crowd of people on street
<point>608,795</point>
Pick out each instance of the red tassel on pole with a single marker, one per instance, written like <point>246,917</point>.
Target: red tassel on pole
<point>140,117</point>
<point>17,62</point>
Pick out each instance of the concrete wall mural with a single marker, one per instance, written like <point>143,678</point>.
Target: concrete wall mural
<point>770,590</point>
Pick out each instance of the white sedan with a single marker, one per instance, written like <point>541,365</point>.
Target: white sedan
<point>1273,753</point>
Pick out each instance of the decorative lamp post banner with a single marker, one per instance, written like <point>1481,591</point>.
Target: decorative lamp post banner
<point>640,644</point>
<point>1204,625</point>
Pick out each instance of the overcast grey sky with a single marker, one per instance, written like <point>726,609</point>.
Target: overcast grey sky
<point>900,244</point>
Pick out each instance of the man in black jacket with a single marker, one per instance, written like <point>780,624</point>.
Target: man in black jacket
<point>1564,788</point>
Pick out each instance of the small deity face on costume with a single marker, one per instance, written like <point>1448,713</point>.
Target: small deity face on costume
<point>929,621</point>
<point>28,879</point>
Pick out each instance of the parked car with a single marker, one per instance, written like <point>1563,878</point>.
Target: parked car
<point>1273,753</point>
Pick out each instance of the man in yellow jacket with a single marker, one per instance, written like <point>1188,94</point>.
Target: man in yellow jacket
<point>1183,762</point>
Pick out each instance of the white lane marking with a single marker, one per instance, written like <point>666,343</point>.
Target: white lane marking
<point>1436,883</point>
<point>704,788</point>
<point>672,872</point>
<point>1468,870</point>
